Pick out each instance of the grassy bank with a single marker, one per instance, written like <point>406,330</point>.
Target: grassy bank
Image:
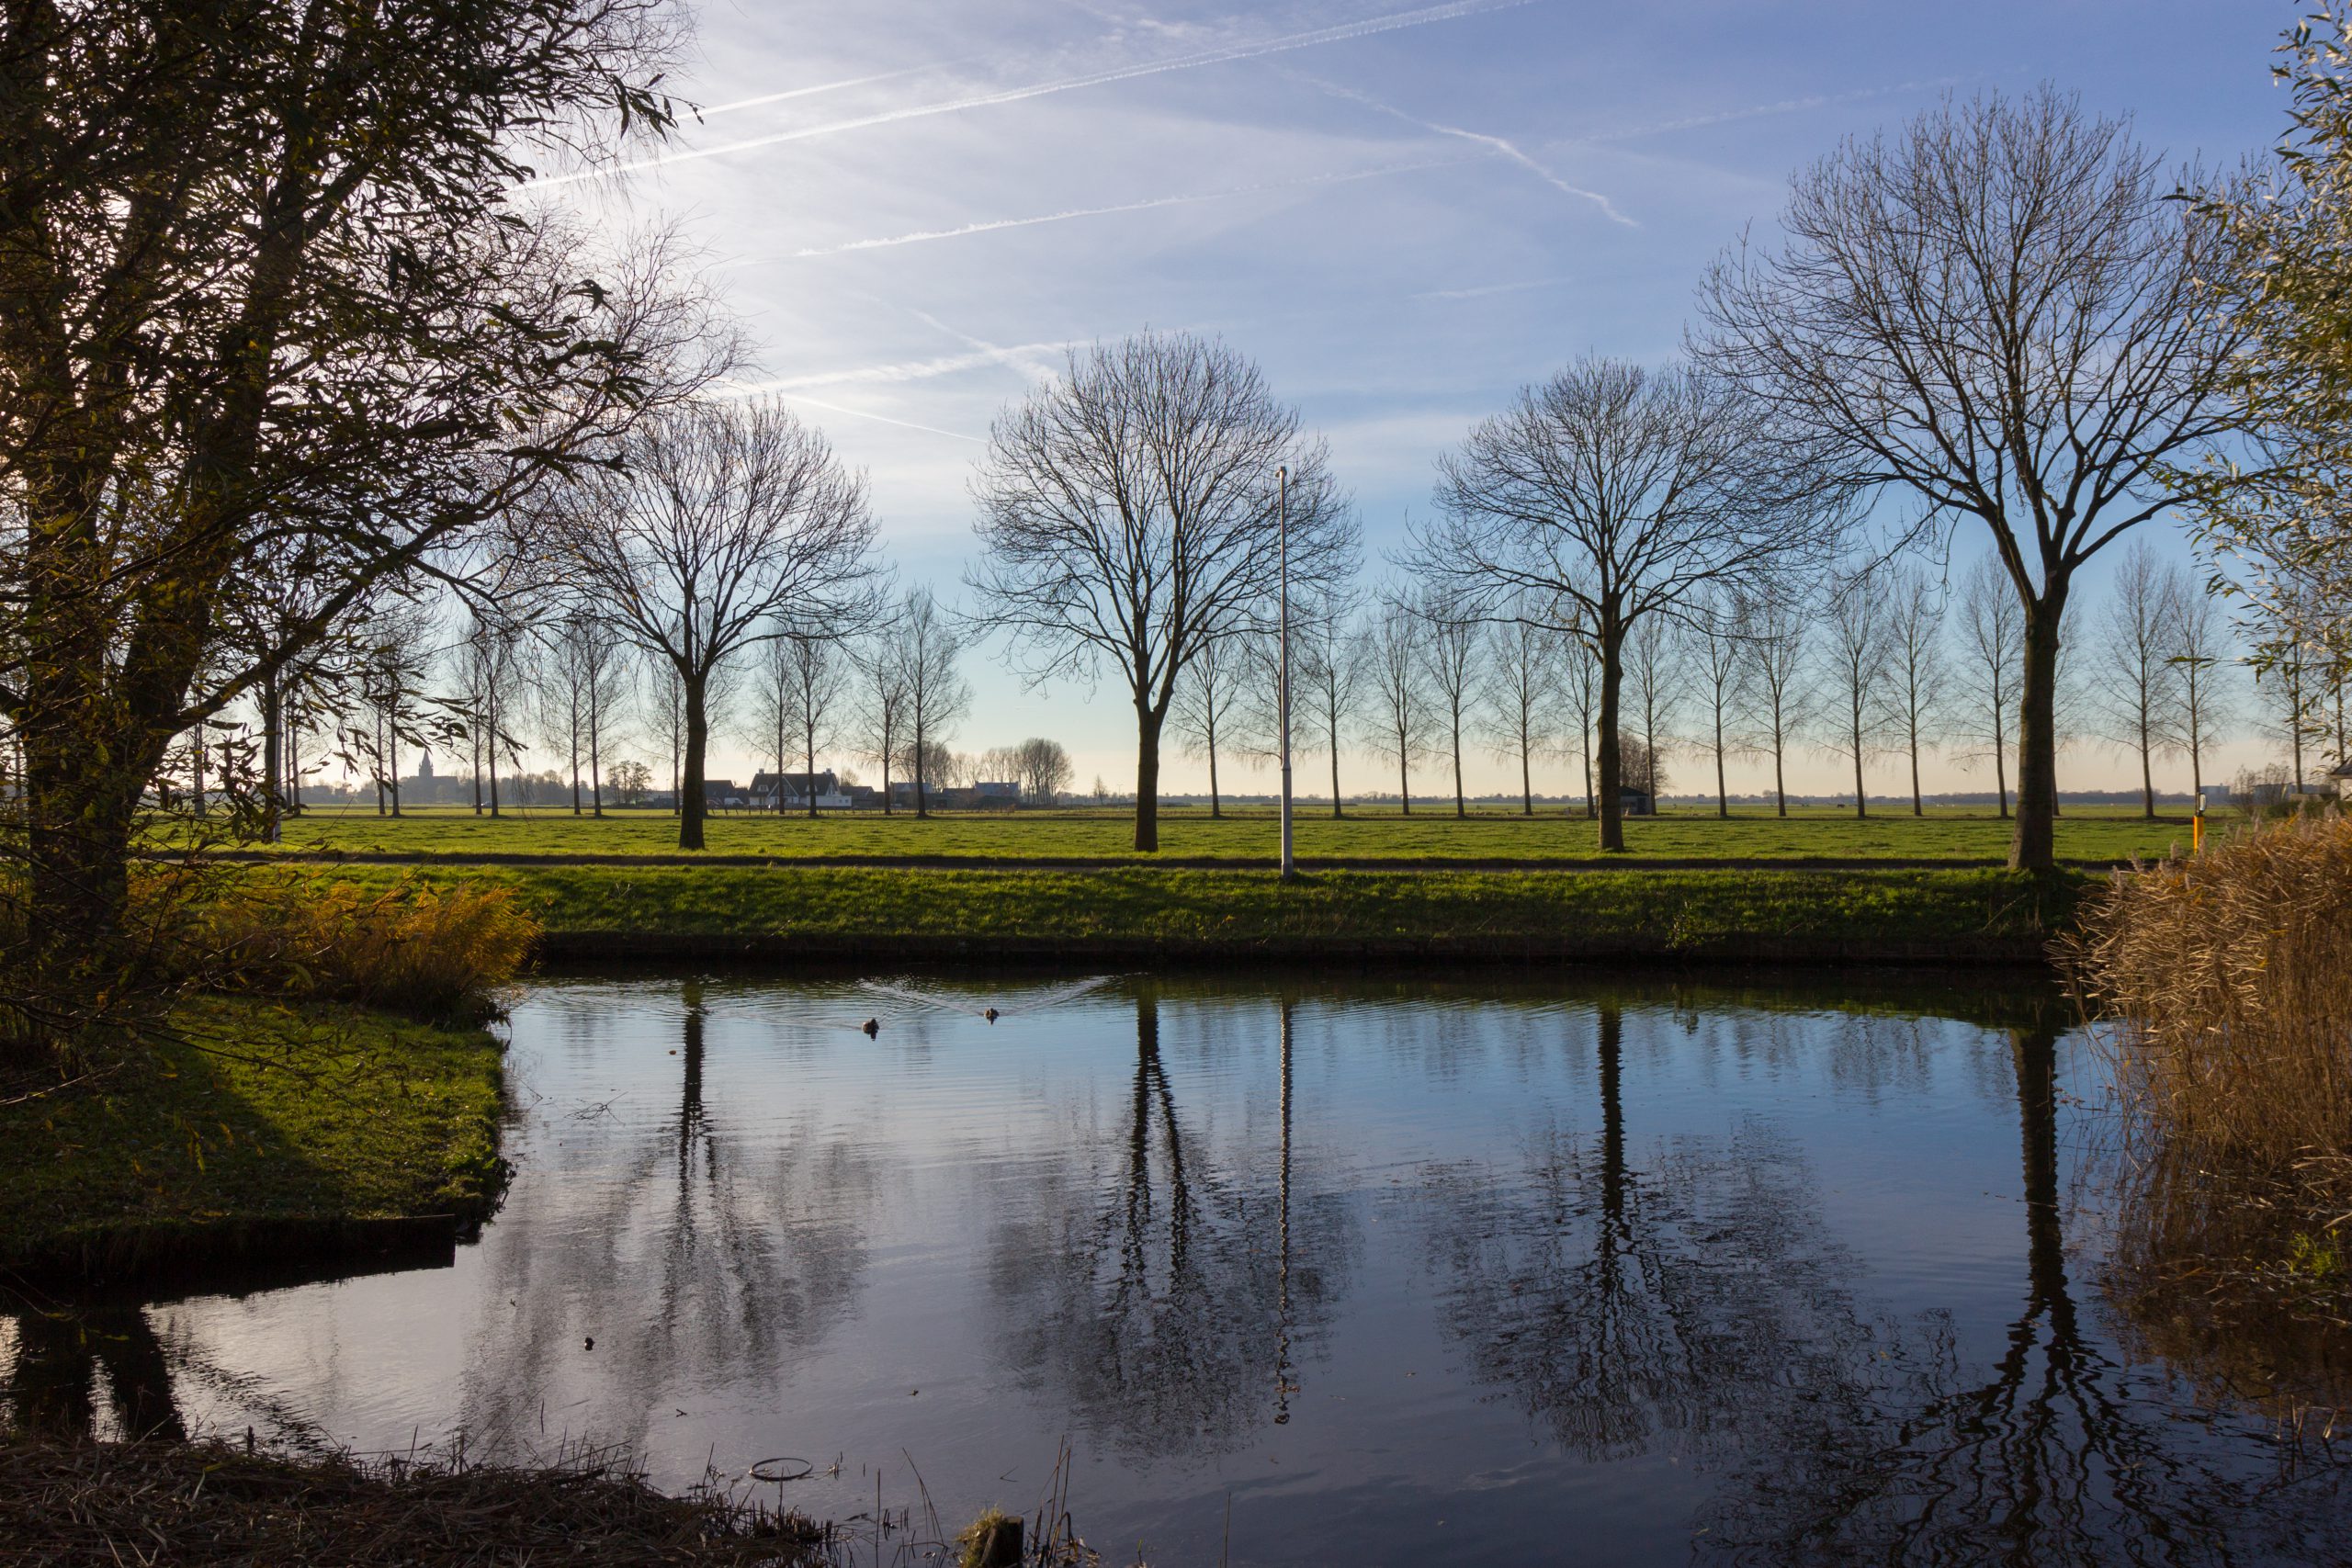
<point>254,1129</point>
<point>2084,833</point>
<point>854,914</point>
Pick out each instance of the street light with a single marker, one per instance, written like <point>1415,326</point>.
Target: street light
<point>1281,678</point>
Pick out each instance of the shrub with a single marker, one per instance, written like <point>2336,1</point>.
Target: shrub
<point>412,947</point>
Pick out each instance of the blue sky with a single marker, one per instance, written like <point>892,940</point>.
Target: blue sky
<point>1402,213</point>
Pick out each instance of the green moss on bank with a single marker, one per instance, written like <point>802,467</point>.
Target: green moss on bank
<point>890,912</point>
<point>250,1126</point>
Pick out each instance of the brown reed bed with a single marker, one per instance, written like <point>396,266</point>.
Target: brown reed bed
<point>2222,988</point>
<point>212,1505</point>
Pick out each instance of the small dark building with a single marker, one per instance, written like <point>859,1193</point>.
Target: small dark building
<point>1635,803</point>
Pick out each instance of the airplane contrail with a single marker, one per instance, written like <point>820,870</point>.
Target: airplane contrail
<point>1784,106</point>
<point>819,87</point>
<point>991,225</point>
<point>864,413</point>
<point>1340,33</point>
<point>1502,145</point>
<point>903,370</point>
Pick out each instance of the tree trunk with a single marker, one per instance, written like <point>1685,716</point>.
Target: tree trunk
<point>2147,779</point>
<point>1148,726</point>
<point>1526,777</point>
<point>2034,845</point>
<point>596,763</point>
<point>273,759</point>
<point>1780,750</point>
<point>923,764</point>
<point>809,735</point>
<point>1335,812</point>
<point>694,800</point>
<point>1862,801</point>
<point>1918,807</point>
<point>1722,790</point>
<point>1404,779</point>
<point>1460,808</point>
<point>1612,803</point>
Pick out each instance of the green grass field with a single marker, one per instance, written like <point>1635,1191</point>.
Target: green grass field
<point>2096,834</point>
<point>885,914</point>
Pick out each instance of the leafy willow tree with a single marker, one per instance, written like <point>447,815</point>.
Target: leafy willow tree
<point>2000,314</point>
<point>1129,515</point>
<point>265,277</point>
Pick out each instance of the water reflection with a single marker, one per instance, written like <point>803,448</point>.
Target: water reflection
<point>1623,1306</point>
<point>65,1352</point>
<point>1664,1273</point>
<point>692,1263</point>
<point>2055,1454</point>
<point>1162,1289</point>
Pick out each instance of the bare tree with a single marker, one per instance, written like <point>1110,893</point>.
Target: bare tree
<point>1715,652</point>
<point>1449,645</point>
<point>1397,705</point>
<point>2138,684</point>
<point>1520,689</point>
<point>1211,697</point>
<point>1779,686</point>
<point>796,701</point>
<point>725,523</point>
<point>493,674</point>
<point>661,701</point>
<point>1580,681</point>
<point>1653,679</point>
<point>1128,515</point>
<point>923,645</point>
<point>396,650</point>
<point>1326,655</point>
<point>1044,769</point>
<point>581,668</point>
<point>1622,493</point>
<point>1992,633</point>
<point>881,708</point>
<point>2001,313</point>
<point>1853,660</point>
<point>1916,673</point>
<point>2199,649</point>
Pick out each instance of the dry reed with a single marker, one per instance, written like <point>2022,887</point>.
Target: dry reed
<point>2227,979</point>
<point>211,1504</point>
<point>2223,990</point>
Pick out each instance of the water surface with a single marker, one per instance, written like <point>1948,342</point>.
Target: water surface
<point>1409,1271</point>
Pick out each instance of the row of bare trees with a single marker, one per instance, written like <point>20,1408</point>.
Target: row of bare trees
<point>1895,665</point>
<point>1995,319</point>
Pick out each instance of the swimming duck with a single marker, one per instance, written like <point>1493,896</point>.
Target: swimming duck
<point>872,1026</point>
<point>990,1015</point>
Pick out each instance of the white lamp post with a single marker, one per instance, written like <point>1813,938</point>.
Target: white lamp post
<point>1281,678</point>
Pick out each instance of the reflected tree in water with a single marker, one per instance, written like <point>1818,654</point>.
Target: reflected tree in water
<point>2056,1453</point>
<point>64,1354</point>
<point>1626,1309</point>
<point>1164,1289</point>
<point>698,1264</point>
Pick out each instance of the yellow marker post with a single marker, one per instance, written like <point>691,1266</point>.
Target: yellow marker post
<point>2196,828</point>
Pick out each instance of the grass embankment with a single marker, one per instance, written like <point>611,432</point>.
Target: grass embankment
<point>2104,835</point>
<point>871,915</point>
<point>248,1130</point>
<point>2227,982</point>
